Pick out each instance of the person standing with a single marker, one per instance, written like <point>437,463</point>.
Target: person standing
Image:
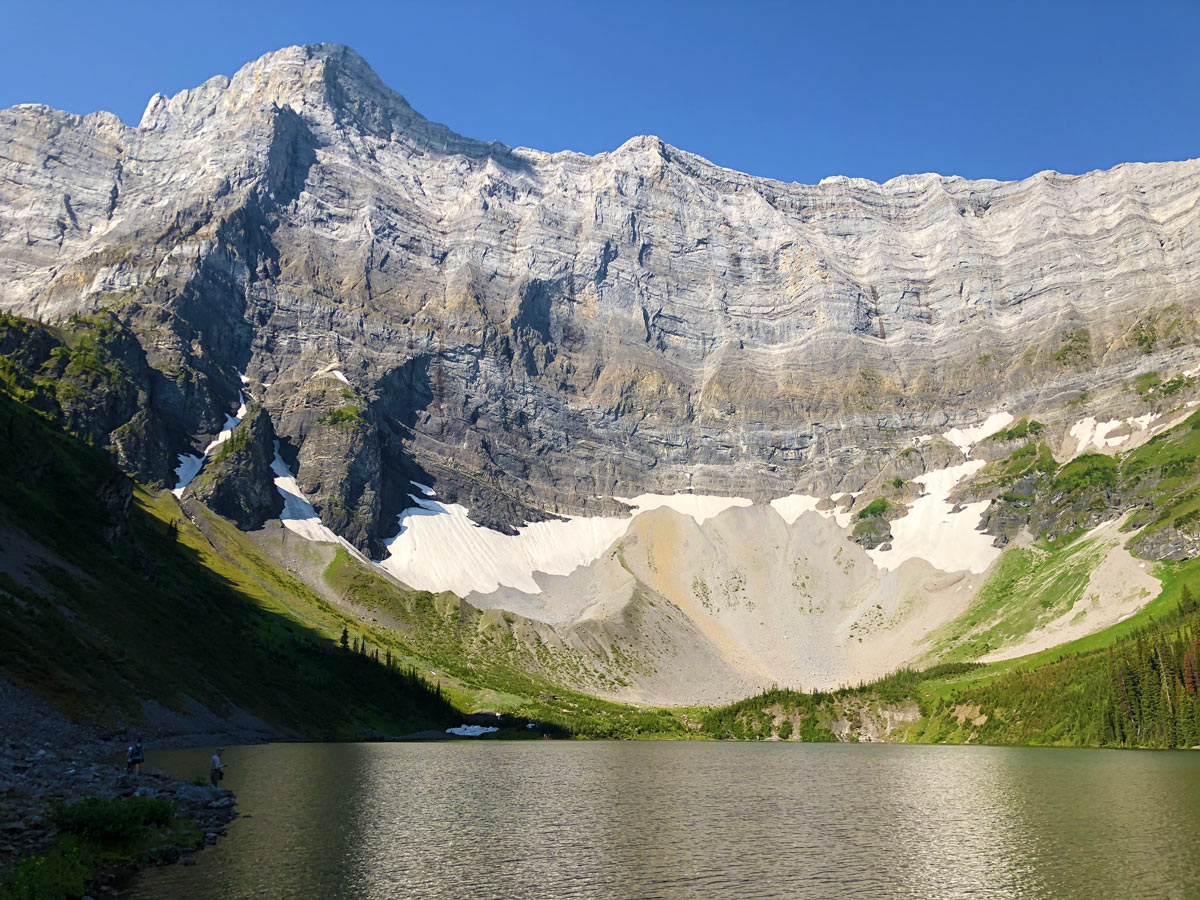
<point>135,757</point>
<point>216,768</point>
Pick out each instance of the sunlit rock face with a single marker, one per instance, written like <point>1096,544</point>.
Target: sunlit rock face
<point>539,333</point>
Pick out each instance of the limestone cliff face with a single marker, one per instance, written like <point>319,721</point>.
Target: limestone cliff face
<point>539,333</point>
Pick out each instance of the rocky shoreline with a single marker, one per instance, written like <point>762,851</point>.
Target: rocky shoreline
<point>45,759</point>
<point>33,781</point>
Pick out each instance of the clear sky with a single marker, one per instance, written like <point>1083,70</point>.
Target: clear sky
<point>795,91</point>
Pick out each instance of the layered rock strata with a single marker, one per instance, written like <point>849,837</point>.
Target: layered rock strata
<point>536,334</point>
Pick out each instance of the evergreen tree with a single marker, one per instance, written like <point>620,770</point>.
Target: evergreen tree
<point>1187,603</point>
<point>345,638</point>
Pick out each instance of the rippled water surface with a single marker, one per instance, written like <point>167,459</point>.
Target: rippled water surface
<point>542,819</point>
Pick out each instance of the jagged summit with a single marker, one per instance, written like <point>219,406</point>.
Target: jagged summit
<point>326,84</point>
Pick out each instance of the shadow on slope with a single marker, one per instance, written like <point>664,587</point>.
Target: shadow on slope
<point>113,601</point>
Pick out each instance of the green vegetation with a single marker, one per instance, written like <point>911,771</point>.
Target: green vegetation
<point>877,507</point>
<point>1075,348</point>
<point>139,602</point>
<point>1019,431</point>
<point>348,415</point>
<point>1092,470</point>
<point>1145,336</point>
<point>95,833</point>
<point>1140,691</point>
<point>1150,384</point>
<point>1033,459</point>
<point>1146,383</point>
<point>1140,688</point>
<point>490,661</point>
<point>1029,587</point>
<point>102,819</point>
<point>74,373</point>
<point>784,714</point>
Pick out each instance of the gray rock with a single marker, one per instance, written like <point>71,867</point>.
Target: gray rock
<point>539,333</point>
<point>237,482</point>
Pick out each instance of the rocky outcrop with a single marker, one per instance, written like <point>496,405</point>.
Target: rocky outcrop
<point>540,333</point>
<point>237,482</point>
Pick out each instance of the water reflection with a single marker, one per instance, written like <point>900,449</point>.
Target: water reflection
<point>678,820</point>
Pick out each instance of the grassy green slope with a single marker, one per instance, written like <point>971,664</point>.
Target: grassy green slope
<point>1142,689</point>
<point>156,612</point>
<point>162,605</point>
<point>490,660</point>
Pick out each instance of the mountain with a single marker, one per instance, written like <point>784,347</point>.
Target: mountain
<point>701,432</point>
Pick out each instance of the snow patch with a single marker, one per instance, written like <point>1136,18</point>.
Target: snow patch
<point>792,507</point>
<point>700,507</point>
<point>471,730</point>
<point>934,532</point>
<point>966,438</point>
<point>440,548</point>
<point>298,514</point>
<point>1089,433</point>
<point>190,464</point>
<point>188,468</point>
<point>231,422</point>
<point>333,372</point>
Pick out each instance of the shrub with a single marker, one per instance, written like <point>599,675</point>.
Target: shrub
<point>876,507</point>
<point>102,819</point>
<point>349,415</point>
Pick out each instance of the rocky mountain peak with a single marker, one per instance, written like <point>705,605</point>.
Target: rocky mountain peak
<point>330,86</point>
<point>537,333</point>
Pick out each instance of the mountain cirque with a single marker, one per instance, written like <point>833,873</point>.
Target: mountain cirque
<point>538,332</point>
<point>536,335</point>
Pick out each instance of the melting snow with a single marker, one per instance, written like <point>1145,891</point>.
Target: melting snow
<point>471,730</point>
<point>700,507</point>
<point>934,532</point>
<point>333,372</point>
<point>792,507</point>
<point>1089,433</point>
<point>231,422</point>
<point>298,514</point>
<point>966,438</point>
<point>440,548</point>
<point>190,464</point>
<point>188,468</point>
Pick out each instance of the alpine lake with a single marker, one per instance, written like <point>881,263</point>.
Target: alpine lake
<point>501,819</point>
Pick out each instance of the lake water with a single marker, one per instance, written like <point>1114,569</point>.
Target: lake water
<point>727,820</point>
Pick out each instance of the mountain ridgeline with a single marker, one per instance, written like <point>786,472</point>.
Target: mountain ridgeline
<point>539,333</point>
<point>564,433</point>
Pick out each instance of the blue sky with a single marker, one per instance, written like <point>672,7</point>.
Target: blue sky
<point>795,91</point>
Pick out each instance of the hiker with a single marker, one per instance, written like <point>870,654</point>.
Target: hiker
<point>217,768</point>
<point>135,756</point>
